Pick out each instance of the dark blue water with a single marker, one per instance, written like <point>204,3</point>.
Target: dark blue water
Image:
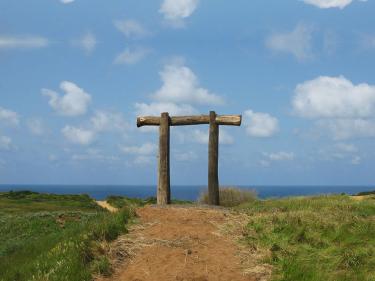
<point>182,192</point>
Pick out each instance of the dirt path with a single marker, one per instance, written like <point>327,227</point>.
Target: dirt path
<point>187,244</point>
<point>105,205</point>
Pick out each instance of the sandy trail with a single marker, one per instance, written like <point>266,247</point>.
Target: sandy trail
<point>184,244</point>
<point>105,205</point>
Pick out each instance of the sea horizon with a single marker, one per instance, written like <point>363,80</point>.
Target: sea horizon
<point>183,192</point>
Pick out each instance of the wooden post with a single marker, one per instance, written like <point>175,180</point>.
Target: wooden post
<point>164,193</point>
<point>213,161</point>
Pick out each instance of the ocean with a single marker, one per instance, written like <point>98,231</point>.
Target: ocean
<point>181,192</point>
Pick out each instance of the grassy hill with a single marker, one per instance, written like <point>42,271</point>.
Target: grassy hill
<point>329,238</point>
<point>55,237</point>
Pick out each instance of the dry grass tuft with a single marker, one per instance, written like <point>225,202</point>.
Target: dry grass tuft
<point>231,196</point>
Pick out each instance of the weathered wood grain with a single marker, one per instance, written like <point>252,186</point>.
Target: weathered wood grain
<point>213,161</point>
<point>228,120</point>
<point>164,193</point>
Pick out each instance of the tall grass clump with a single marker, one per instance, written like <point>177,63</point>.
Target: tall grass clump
<point>231,196</point>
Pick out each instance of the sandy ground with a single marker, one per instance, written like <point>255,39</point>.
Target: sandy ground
<point>186,244</point>
<point>105,205</point>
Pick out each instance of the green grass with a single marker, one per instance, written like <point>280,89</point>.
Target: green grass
<point>55,237</point>
<point>330,238</point>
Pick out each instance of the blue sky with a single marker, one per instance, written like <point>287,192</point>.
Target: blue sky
<point>75,74</point>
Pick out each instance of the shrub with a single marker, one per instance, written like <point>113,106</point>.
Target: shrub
<point>231,196</point>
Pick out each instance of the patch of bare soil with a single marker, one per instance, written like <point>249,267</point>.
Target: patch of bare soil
<point>186,244</point>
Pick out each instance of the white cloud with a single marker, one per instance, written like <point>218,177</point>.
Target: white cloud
<point>326,4</point>
<point>334,97</point>
<point>260,125</point>
<point>67,1</point>
<point>74,102</point>
<point>155,108</point>
<point>103,121</point>
<point>181,85</point>
<point>132,56</point>
<point>298,42</point>
<point>78,135</point>
<point>36,126</point>
<point>9,117</point>
<point>144,150</point>
<point>342,129</point>
<point>23,42</point>
<point>131,28</point>
<point>87,43</point>
<point>5,143</point>
<point>175,11</point>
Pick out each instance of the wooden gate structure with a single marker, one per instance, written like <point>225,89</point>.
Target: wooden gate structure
<point>164,122</point>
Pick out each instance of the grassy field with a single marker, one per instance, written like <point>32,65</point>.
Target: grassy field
<point>330,238</point>
<point>55,237</point>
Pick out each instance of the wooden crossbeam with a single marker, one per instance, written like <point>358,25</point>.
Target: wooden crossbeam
<point>164,122</point>
<point>229,120</point>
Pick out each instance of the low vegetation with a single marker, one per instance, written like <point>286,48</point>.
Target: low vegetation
<point>231,196</point>
<point>55,237</point>
<point>318,238</point>
<point>366,193</point>
<point>121,201</point>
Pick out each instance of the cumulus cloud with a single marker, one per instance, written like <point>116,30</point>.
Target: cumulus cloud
<point>5,143</point>
<point>181,85</point>
<point>155,108</point>
<point>104,121</point>
<point>9,117</point>
<point>23,42</point>
<point>343,129</point>
<point>297,42</point>
<point>87,43</point>
<point>327,97</point>
<point>132,56</point>
<point>131,28</point>
<point>261,125</point>
<point>74,102</point>
<point>67,1</point>
<point>176,11</point>
<point>180,94</point>
<point>326,4</point>
<point>78,135</point>
<point>36,126</point>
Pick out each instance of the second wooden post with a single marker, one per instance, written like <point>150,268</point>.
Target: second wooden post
<point>164,193</point>
<point>213,161</point>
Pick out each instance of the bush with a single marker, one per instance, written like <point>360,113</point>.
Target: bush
<point>231,196</point>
